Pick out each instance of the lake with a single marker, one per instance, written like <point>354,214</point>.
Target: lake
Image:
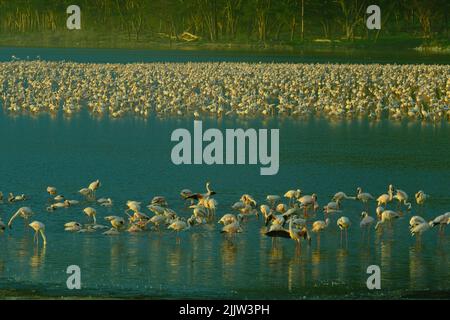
<point>131,157</point>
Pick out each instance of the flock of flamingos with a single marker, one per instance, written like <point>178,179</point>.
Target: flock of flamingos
<point>294,217</point>
<point>336,91</point>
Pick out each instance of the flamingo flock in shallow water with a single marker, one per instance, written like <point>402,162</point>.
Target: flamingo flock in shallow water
<point>298,219</point>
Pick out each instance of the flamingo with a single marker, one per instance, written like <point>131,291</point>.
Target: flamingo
<point>308,201</point>
<point>232,228</point>
<point>364,197</point>
<point>441,220</point>
<point>385,198</point>
<point>201,196</point>
<point>402,198</point>
<point>419,229</point>
<point>23,212</point>
<point>298,234</point>
<point>421,197</point>
<point>73,226</point>
<point>158,220</point>
<point>366,222</point>
<point>13,198</point>
<point>319,226</point>
<point>343,224</point>
<point>51,191</point>
<point>134,206</point>
<point>339,196</point>
<point>178,226</point>
<point>38,227</point>
<point>159,201</point>
<point>105,202</point>
<point>292,195</point>
<point>248,200</point>
<point>116,222</point>
<point>91,213</point>
<point>93,186</point>
<point>385,215</point>
<point>272,199</point>
<point>228,218</point>
<point>331,207</point>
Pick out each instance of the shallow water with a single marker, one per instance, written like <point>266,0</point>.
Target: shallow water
<point>131,156</point>
<point>387,55</point>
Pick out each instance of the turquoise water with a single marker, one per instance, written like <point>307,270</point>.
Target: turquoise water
<point>131,156</point>
<point>387,55</point>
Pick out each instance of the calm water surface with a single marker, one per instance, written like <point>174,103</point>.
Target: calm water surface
<point>131,156</point>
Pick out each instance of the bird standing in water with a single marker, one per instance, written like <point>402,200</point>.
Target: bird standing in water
<point>39,228</point>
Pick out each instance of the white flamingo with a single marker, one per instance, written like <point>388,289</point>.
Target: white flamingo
<point>343,224</point>
<point>38,227</point>
<point>23,212</point>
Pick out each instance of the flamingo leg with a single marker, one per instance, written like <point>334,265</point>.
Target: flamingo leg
<point>346,238</point>
<point>318,241</point>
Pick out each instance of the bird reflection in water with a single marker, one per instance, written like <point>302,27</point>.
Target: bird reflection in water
<point>417,272</point>
<point>341,263</point>
<point>174,264</point>
<point>296,273</point>
<point>315,263</point>
<point>37,260</point>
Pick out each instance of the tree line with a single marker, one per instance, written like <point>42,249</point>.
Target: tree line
<point>265,21</point>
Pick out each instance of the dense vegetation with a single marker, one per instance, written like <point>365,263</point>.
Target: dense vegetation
<point>258,22</point>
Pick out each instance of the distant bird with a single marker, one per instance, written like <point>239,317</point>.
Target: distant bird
<point>116,222</point>
<point>38,227</point>
<point>91,213</point>
<point>297,234</point>
<point>228,218</point>
<point>248,200</point>
<point>93,186</point>
<point>292,195</point>
<point>51,191</point>
<point>201,196</point>
<point>386,215</point>
<point>364,197</point>
<point>23,212</point>
<point>13,198</point>
<point>441,220</point>
<point>58,198</point>
<point>134,206</point>
<point>232,228</point>
<point>421,197</point>
<point>331,207</point>
<point>266,213</point>
<point>419,229</point>
<point>158,220</point>
<point>415,220</point>
<point>87,193</point>
<point>402,198</point>
<point>2,226</point>
<point>308,201</point>
<point>339,196</point>
<point>178,226</point>
<point>385,198</point>
<point>319,226</point>
<point>366,223</point>
<point>105,202</point>
<point>272,199</point>
<point>343,224</point>
<point>73,226</point>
